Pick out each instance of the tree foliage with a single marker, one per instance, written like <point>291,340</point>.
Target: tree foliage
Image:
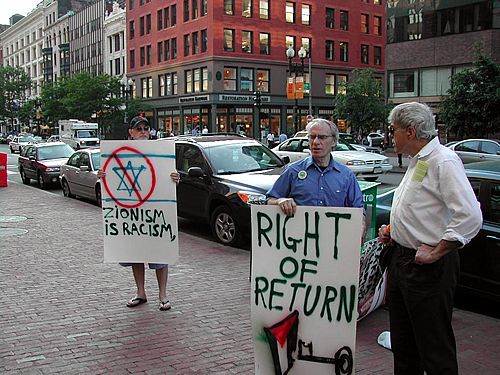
<point>362,105</point>
<point>13,85</point>
<point>472,107</point>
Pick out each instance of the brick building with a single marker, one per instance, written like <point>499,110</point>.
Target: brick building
<point>429,41</point>
<point>198,62</point>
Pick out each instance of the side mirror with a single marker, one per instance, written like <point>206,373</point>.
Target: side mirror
<point>286,159</point>
<point>84,168</point>
<point>195,172</point>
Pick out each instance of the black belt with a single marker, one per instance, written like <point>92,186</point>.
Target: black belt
<point>404,250</point>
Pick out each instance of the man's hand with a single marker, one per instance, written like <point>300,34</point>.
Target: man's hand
<point>287,205</point>
<point>175,176</point>
<point>425,254</point>
<point>384,234</point>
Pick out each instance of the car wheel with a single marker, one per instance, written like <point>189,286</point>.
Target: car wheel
<point>224,226</point>
<point>371,179</point>
<point>12,151</point>
<point>25,179</point>
<point>66,190</point>
<point>41,182</point>
<point>98,197</point>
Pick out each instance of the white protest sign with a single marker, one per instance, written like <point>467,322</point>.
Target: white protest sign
<point>139,202</point>
<point>304,289</point>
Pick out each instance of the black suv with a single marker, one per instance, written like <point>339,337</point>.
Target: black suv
<point>220,175</point>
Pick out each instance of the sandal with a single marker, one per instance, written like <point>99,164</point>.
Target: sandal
<point>165,305</point>
<point>136,301</point>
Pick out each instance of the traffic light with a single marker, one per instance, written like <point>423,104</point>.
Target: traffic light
<point>257,99</point>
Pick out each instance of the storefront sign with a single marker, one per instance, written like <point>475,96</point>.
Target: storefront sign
<point>190,99</point>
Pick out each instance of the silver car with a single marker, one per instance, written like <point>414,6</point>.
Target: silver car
<point>474,150</point>
<point>79,175</point>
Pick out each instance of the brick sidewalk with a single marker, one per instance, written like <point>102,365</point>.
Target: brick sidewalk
<point>63,310</point>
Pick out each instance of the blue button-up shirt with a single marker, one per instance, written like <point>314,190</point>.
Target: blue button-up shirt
<point>309,185</point>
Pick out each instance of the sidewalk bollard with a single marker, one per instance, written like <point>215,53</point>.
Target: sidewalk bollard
<point>3,170</point>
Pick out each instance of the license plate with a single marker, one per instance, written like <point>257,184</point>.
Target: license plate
<point>377,170</point>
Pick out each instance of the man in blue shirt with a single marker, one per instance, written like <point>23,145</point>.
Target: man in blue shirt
<point>317,180</point>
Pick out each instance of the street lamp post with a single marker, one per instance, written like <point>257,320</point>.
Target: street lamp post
<point>127,92</point>
<point>297,70</point>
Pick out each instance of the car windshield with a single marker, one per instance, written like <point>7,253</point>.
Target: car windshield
<point>343,146</point>
<point>55,152</point>
<point>86,134</point>
<point>26,139</point>
<point>349,138</point>
<point>96,160</point>
<point>231,158</point>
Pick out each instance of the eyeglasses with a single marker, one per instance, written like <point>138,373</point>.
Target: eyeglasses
<point>321,137</point>
<point>141,128</point>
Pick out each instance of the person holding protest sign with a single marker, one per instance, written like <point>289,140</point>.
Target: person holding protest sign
<point>317,180</point>
<point>434,213</point>
<point>139,131</point>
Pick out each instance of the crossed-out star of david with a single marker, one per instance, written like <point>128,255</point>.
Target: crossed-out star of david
<point>124,184</point>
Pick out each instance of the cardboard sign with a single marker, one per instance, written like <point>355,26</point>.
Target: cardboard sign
<point>290,88</point>
<point>139,202</point>
<point>304,289</point>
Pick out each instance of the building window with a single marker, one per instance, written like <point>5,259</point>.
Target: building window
<point>330,84</point>
<point>161,85</point>
<point>166,17</point>
<point>159,19</point>
<point>330,18</point>
<point>246,80</point>
<point>173,10</point>
<point>195,9</point>
<point>364,54</point>
<point>187,39</point>
<point>204,79</point>
<point>263,80</point>
<point>377,56</point>
<point>147,87</point>
<point>264,40</point>
<point>141,26</point>
<point>204,40</point>
<point>143,56</point>
<point>148,24</point>
<point>131,4</point>
<point>364,23</point>
<point>402,84</point>
<point>229,7</point>
<point>344,51</point>
<point>290,41</point>
<point>306,43</point>
<point>306,14</point>
<point>148,54</point>
<point>173,44</point>
<point>229,40</point>
<point>264,9</point>
<point>340,82</point>
<point>377,25</point>
<point>174,83</point>
<point>230,79</point>
<point>376,2</point>
<point>160,52</point>
<point>131,30</point>
<point>196,45</point>
<point>344,20</point>
<point>188,75</point>
<point>168,84</point>
<point>246,41</point>
<point>166,50</point>
<point>132,59</point>
<point>246,10</point>
<point>204,7</point>
<point>186,10</point>
<point>197,79</point>
<point>290,12</point>
<point>329,50</point>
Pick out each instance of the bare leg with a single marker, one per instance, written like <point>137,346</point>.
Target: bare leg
<point>139,276</point>
<point>162,277</point>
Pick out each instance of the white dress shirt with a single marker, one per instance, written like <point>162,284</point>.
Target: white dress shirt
<point>435,200</point>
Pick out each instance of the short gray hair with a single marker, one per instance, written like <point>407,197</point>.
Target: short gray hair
<point>319,121</point>
<point>414,115</point>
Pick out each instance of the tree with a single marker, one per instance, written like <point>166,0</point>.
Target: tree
<point>362,103</point>
<point>13,85</point>
<point>472,107</point>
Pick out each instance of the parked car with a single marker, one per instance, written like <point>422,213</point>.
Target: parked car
<point>54,138</point>
<point>351,139</point>
<point>42,162</point>
<point>220,174</point>
<point>374,140</point>
<point>474,150</point>
<point>480,259</point>
<point>18,142</point>
<point>78,176</point>
<point>364,164</point>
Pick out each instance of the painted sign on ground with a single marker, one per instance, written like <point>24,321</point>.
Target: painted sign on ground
<point>304,289</point>
<point>139,202</point>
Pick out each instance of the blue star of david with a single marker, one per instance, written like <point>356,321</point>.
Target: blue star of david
<point>124,183</point>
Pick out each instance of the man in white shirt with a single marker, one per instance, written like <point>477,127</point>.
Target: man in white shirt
<point>270,140</point>
<point>434,213</point>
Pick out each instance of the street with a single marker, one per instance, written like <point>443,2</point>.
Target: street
<point>64,311</point>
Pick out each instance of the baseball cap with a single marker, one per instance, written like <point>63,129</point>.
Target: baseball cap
<point>137,120</point>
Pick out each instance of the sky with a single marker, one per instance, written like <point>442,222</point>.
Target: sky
<point>10,7</point>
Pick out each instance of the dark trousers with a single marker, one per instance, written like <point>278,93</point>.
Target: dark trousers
<point>400,160</point>
<point>420,301</point>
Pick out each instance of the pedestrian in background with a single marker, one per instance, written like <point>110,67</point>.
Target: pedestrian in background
<point>139,130</point>
<point>434,213</point>
<point>317,180</point>
<point>270,140</point>
<point>400,160</point>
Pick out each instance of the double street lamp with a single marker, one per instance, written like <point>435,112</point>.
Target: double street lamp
<point>127,87</point>
<point>296,70</point>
